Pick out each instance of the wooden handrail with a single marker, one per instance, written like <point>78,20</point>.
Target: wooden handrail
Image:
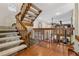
<point>51,28</point>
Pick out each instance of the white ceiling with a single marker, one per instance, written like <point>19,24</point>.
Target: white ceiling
<point>49,10</point>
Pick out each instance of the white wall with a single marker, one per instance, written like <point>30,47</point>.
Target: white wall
<point>7,17</point>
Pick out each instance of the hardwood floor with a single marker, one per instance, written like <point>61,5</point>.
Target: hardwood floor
<point>45,49</point>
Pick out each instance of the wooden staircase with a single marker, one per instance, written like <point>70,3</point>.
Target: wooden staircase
<point>13,40</point>
<point>24,20</point>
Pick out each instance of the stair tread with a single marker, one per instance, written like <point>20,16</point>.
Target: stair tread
<point>9,33</point>
<point>12,50</point>
<point>7,44</point>
<point>9,38</point>
<point>8,29</point>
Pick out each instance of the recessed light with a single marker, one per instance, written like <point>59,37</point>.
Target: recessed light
<point>58,13</point>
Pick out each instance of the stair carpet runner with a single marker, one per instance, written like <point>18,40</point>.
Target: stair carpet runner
<point>10,42</point>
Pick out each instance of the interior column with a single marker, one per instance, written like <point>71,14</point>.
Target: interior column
<point>76,26</point>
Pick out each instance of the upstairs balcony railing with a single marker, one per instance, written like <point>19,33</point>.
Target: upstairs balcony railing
<point>52,34</point>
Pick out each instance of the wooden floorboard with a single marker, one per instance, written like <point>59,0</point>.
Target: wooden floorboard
<point>45,49</point>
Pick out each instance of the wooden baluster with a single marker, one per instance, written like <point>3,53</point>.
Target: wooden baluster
<point>43,35</point>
